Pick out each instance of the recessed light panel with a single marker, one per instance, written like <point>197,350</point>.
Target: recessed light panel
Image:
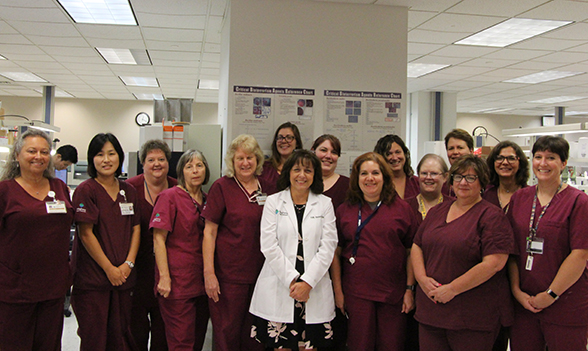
<point>576,113</point>
<point>511,31</point>
<point>100,11</point>
<point>557,99</point>
<point>541,77</point>
<point>148,96</point>
<point>58,93</point>
<point>125,56</point>
<point>23,77</point>
<point>208,84</point>
<point>140,81</point>
<point>416,70</point>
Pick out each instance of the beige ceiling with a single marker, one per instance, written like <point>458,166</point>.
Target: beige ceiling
<point>183,41</point>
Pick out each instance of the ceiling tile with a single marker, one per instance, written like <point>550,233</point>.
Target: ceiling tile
<point>112,32</point>
<point>423,49</point>
<point>171,7</point>
<point>547,43</point>
<point>495,7</point>
<point>154,20</point>
<point>560,10</point>
<point>433,37</point>
<point>455,23</point>
<point>435,6</point>
<point>516,54</point>
<point>168,45</point>
<point>489,62</point>
<point>48,13</point>
<point>466,51</point>
<point>42,28</point>
<point>177,35</point>
<point>61,41</point>
<point>563,57</point>
<point>416,18</point>
<point>574,31</point>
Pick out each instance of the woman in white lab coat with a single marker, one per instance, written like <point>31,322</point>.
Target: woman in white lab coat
<point>293,301</point>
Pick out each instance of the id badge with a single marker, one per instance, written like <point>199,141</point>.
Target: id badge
<point>261,199</point>
<point>55,207</point>
<point>535,246</point>
<point>126,208</point>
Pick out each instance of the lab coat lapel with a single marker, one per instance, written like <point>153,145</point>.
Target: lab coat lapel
<point>288,205</point>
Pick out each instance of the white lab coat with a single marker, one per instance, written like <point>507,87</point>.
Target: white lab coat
<point>279,244</point>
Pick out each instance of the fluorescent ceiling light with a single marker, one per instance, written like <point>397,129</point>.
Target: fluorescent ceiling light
<point>100,11</point>
<point>557,99</point>
<point>125,56</point>
<point>140,81</point>
<point>148,96</point>
<point>2,57</point>
<point>208,84</point>
<point>23,77</point>
<point>492,110</point>
<point>416,70</point>
<point>511,31</point>
<point>541,77</point>
<point>548,130</point>
<point>576,113</point>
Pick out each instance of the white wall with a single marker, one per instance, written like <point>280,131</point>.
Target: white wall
<point>495,124</point>
<point>81,119</point>
<point>316,45</point>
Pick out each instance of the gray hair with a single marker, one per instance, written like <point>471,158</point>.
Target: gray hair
<point>187,157</point>
<point>12,168</point>
<point>436,157</point>
<point>249,145</point>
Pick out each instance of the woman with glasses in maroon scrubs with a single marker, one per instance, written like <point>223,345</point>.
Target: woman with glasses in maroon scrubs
<point>286,139</point>
<point>458,256</point>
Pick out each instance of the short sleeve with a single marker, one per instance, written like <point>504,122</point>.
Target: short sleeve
<point>85,204</point>
<point>215,207</point>
<point>578,227</point>
<point>495,232</point>
<point>164,211</point>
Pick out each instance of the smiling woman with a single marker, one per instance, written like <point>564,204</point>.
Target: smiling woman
<point>35,216</point>
<point>105,248</point>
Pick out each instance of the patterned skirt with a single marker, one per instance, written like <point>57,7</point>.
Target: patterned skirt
<point>292,335</point>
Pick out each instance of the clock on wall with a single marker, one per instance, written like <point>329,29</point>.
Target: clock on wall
<point>142,119</point>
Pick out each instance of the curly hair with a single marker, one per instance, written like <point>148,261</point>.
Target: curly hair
<point>275,158</point>
<point>12,168</point>
<point>155,144</point>
<point>383,147</point>
<point>249,145</point>
<point>522,175</point>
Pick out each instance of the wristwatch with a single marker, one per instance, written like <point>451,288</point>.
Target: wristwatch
<point>552,294</point>
<point>411,287</point>
<point>131,264</point>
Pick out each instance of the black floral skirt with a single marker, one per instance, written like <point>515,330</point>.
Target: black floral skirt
<point>292,335</point>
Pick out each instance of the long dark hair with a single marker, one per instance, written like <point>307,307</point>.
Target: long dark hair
<point>276,158</point>
<point>96,145</point>
<point>383,147</point>
<point>522,175</point>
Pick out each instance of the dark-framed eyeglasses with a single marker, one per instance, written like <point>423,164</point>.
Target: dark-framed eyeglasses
<point>288,138</point>
<point>509,159</point>
<point>470,178</point>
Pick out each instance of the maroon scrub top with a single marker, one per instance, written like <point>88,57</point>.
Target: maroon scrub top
<point>176,212</point>
<point>113,230</point>
<point>379,272</point>
<point>270,176</point>
<point>491,195</point>
<point>34,245</point>
<point>563,227</point>
<point>449,251</point>
<point>238,258</point>
<point>145,261</point>
<point>338,191</point>
<point>411,187</point>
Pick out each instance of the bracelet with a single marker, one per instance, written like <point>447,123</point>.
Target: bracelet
<point>411,287</point>
<point>552,294</point>
<point>131,264</point>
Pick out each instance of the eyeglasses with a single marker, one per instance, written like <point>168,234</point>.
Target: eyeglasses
<point>509,159</point>
<point>470,178</point>
<point>288,138</point>
<point>429,174</point>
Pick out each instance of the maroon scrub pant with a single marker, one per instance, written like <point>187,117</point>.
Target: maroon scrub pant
<point>103,319</point>
<point>231,320</point>
<point>146,319</point>
<point>186,321</point>
<point>440,339</point>
<point>375,325</point>
<point>529,333</point>
<point>31,326</point>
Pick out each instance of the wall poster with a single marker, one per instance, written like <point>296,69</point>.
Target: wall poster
<point>360,118</point>
<point>260,110</point>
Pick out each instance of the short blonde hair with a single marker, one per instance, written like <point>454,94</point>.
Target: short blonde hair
<point>248,144</point>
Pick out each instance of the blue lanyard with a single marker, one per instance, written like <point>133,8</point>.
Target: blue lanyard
<point>360,226</point>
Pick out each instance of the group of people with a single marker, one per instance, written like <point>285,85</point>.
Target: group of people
<point>286,253</point>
